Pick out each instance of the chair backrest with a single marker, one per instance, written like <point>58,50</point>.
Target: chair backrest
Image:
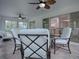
<point>4,34</point>
<point>35,42</point>
<point>14,33</point>
<point>66,33</point>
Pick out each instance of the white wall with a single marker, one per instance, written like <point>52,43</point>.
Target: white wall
<point>38,22</point>
<point>2,22</point>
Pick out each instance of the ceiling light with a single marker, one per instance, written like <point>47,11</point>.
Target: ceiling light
<point>42,5</point>
<point>19,18</point>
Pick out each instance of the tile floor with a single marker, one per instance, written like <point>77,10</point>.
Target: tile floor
<point>6,49</point>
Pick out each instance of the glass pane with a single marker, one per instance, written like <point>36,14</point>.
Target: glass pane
<point>22,25</point>
<point>32,24</point>
<point>14,24</point>
<point>10,24</point>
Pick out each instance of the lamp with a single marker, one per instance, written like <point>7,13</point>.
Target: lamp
<point>20,17</point>
<point>42,5</point>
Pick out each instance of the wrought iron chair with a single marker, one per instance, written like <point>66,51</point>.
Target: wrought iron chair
<point>16,40</point>
<point>35,44</point>
<point>64,38</point>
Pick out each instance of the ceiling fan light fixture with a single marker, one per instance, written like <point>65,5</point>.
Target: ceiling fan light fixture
<point>19,18</point>
<point>42,5</point>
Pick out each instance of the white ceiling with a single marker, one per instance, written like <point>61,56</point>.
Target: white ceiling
<point>13,7</point>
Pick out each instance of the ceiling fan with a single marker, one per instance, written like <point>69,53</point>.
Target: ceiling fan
<point>44,4</point>
<point>21,17</point>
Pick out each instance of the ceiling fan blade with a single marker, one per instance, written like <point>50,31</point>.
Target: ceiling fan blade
<point>38,7</point>
<point>47,6</point>
<point>50,2</point>
<point>33,3</point>
<point>23,17</point>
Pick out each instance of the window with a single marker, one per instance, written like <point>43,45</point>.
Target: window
<point>32,24</point>
<point>10,24</point>
<point>22,25</point>
<point>13,24</point>
<point>46,23</point>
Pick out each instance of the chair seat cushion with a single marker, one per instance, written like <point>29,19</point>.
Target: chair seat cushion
<point>60,41</point>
